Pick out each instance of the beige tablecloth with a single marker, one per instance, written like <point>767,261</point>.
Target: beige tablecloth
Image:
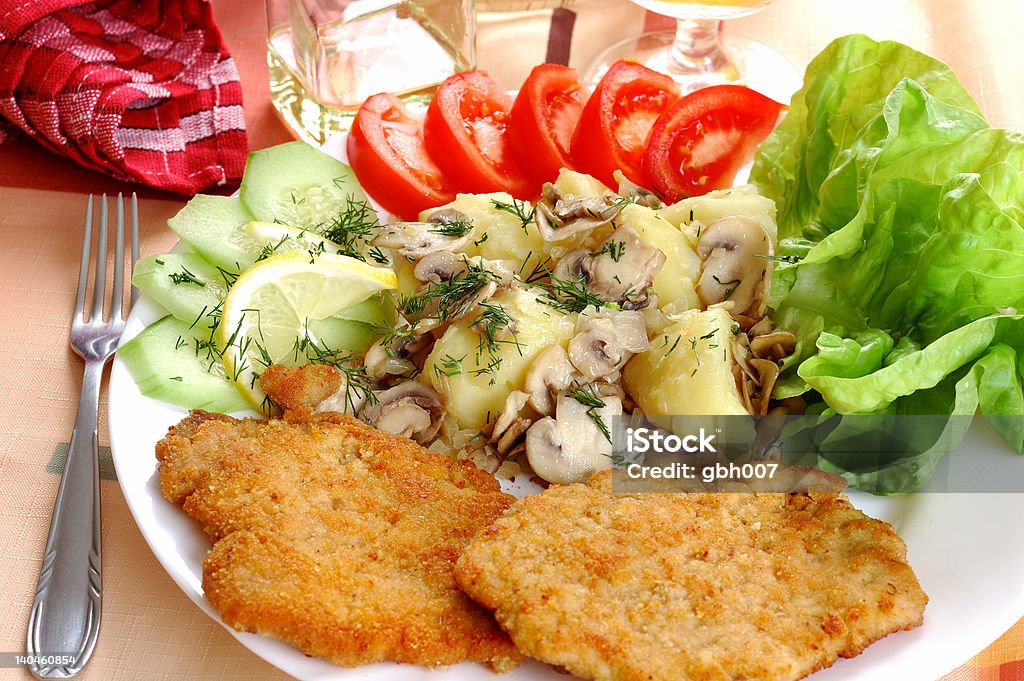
<point>150,629</point>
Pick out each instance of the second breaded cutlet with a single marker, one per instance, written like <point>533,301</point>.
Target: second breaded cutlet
<point>677,587</point>
<point>336,537</point>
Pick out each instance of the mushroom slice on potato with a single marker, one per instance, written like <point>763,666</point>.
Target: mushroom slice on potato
<point>571,446</point>
<point>559,218</point>
<point>620,272</point>
<point>736,252</point>
<point>605,344</point>
<point>550,373</point>
<point>630,190</point>
<point>445,230</point>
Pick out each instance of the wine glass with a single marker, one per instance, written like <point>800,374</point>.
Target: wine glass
<point>697,54</point>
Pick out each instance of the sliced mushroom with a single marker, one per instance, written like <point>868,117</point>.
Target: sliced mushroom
<point>767,373</point>
<point>736,252</point>
<point>760,328</point>
<point>410,409</point>
<point>514,404</point>
<point>605,344</point>
<point>391,356</point>
<point>774,345</point>
<point>571,446</point>
<point>414,240</point>
<point>559,218</point>
<point>549,373</point>
<point>511,424</point>
<point>438,267</point>
<point>635,193</point>
<point>346,400</point>
<point>621,271</point>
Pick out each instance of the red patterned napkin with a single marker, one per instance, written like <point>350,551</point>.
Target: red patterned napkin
<point>142,90</point>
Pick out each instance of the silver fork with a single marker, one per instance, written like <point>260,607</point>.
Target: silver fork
<point>65,618</point>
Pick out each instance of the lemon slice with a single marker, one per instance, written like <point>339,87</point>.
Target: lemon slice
<point>283,238</point>
<point>270,306</point>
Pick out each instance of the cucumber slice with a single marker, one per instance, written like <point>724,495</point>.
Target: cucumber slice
<point>183,283</point>
<point>342,334</point>
<point>377,310</point>
<point>214,227</point>
<point>298,185</point>
<point>163,362</point>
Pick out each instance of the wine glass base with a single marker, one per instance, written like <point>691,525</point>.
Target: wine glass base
<point>751,63</point>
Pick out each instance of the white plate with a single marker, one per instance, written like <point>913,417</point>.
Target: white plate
<point>967,550</point>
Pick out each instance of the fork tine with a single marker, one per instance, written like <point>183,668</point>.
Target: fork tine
<point>83,267</point>
<point>101,265</point>
<point>115,304</point>
<point>135,243</point>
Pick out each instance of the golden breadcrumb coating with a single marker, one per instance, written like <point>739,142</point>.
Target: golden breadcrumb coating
<point>336,537</point>
<point>300,387</point>
<point>651,587</point>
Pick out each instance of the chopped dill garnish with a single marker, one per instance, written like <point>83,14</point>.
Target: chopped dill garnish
<point>673,348</point>
<point>492,323</point>
<point>179,379</point>
<point>452,228</point>
<point>480,240</point>
<point>270,249</point>
<point>352,228</point>
<point>449,366</point>
<point>186,277</point>
<point>358,384</point>
<point>587,396</point>
<point>615,249</point>
<point>735,283</point>
<point>228,276</point>
<point>378,256</point>
<point>450,299</point>
<point>541,270</point>
<point>517,208</point>
<point>570,295</point>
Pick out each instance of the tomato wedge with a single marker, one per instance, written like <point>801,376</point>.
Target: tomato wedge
<point>543,119</point>
<point>466,132</point>
<point>701,142</point>
<point>617,118</point>
<point>386,151</point>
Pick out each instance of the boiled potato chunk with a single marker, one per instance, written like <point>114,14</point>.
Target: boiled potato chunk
<point>407,281</point>
<point>474,393</point>
<point>688,370</point>
<point>497,234</point>
<point>573,184</point>
<point>721,203</point>
<point>675,281</point>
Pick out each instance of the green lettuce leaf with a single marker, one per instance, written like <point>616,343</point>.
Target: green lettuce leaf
<point>905,210</point>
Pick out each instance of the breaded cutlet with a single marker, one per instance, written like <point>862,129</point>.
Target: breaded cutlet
<point>336,537</point>
<point>677,586</point>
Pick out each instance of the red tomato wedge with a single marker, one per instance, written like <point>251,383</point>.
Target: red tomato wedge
<point>386,151</point>
<point>617,118</point>
<point>466,132</point>
<point>543,119</point>
<point>701,142</point>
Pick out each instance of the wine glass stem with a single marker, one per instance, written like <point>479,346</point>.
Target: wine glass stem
<point>698,47</point>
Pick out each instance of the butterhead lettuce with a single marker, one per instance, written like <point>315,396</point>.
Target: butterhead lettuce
<point>903,210</point>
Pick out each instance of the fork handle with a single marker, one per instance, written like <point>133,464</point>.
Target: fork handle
<point>65,618</point>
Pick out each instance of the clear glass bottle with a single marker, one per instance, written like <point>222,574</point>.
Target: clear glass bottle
<point>327,56</point>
